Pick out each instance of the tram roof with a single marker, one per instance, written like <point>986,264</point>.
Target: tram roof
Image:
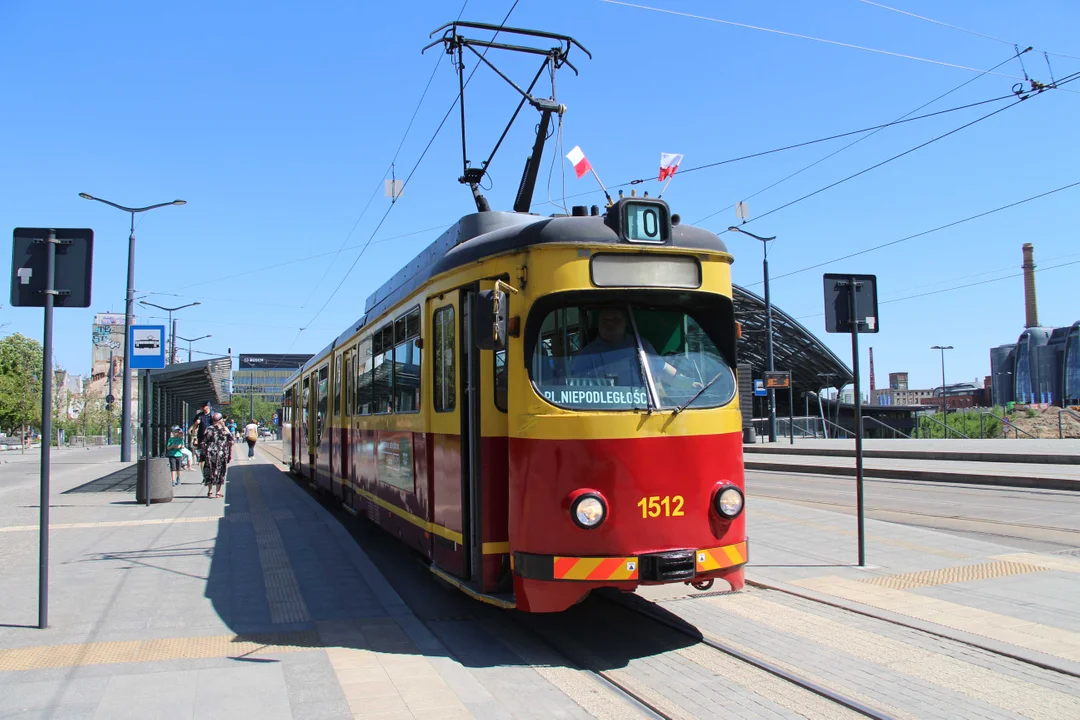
<point>479,235</point>
<point>794,347</point>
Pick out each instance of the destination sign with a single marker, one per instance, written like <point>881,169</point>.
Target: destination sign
<point>597,398</point>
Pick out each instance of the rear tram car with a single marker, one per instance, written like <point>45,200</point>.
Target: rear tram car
<point>541,406</point>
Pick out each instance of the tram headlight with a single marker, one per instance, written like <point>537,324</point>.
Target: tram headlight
<point>588,511</point>
<point>728,502</point>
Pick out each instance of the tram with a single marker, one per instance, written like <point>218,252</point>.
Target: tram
<point>541,406</point>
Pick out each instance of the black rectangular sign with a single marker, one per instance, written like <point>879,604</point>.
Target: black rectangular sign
<point>273,361</point>
<point>777,380</point>
<point>73,269</point>
<point>838,318</point>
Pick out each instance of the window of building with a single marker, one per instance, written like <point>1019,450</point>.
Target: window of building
<point>382,373</point>
<point>407,354</point>
<point>443,361</point>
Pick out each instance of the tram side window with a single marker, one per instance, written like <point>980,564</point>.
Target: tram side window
<point>499,356</point>
<point>382,373</point>
<point>337,386</point>
<point>443,361</point>
<point>305,408</point>
<point>364,377</point>
<point>320,407</point>
<point>407,363</point>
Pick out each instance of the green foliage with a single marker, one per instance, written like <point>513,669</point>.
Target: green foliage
<point>239,410</point>
<point>20,382</point>
<point>970,422</point>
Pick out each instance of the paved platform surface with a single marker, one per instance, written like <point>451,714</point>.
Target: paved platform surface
<point>270,604</point>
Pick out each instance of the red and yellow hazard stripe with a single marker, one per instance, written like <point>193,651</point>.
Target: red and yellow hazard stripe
<point>607,568</point>
<point>721,557</point>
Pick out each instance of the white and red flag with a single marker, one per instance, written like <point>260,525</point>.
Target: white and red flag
<point>579,161</point>
<point>669,163</point>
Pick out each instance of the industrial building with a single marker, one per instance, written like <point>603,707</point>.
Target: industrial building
<point>1043,365</point>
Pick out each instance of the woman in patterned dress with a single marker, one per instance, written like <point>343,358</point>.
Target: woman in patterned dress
<point>217,453</point>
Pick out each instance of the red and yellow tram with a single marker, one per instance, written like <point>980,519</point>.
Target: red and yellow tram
<point>541,406</point>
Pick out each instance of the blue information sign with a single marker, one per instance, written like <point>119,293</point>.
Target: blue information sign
<point>759,388</point>
<point>147,346</point>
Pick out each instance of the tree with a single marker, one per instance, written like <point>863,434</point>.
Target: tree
<point>20,382</point>
<point>239,409</point>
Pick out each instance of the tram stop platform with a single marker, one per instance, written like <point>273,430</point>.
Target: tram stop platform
<point>270,604</point>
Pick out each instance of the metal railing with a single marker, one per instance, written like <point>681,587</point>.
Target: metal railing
<point>1005,426</point>
<point>948,429</point>
<point>885,425</point>
<point>1062,413</point>
<point>847,433</point>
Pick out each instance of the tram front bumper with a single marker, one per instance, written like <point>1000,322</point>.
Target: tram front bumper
<point>657,567</point>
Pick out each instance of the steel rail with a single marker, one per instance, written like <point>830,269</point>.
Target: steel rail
<point>764,665</point>
<point>865,613</point>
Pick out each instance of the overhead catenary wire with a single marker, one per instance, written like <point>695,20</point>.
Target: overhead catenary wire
<point>955,27</point>
<point>903,118</point>
<point>989,115</point>
<point>939,228</point>
<point>404,184</point>
<point>957,287</point>
<point>802,37</point>
<point>389,169</point>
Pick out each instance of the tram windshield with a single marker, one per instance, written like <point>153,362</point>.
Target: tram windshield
<point>624,356</point>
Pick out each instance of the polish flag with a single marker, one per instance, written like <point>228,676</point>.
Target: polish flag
<point>579,161</point>
<point>669,163</point>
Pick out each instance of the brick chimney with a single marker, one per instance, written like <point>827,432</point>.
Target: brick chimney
<point>1031,305</point>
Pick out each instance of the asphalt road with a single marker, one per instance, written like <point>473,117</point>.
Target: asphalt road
<point>1029,519</point>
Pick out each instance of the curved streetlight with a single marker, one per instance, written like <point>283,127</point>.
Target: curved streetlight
<point>172,328</point>
<point>129,319</point>
<point>944,401</point>
<point>768,325</point>
<point>191,340</point>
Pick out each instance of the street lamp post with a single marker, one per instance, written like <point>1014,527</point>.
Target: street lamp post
<point>172,343</point>
<point>768,325</point>
<point>129,320</point>
<point>944,400</point>
<point>191,340</point>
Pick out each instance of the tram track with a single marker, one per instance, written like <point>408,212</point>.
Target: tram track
<point>910,626</point>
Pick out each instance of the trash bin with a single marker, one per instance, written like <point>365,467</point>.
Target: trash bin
<point>749,437</point>
<point>161,487</point>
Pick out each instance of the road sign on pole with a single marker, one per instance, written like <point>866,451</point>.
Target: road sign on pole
<point>147,343</point>
<point>851,306</point>
<point>50,267</point>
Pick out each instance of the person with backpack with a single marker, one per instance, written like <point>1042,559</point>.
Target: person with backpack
<point>251,434</point>
<point>174,450</point>
<point>203,420</point>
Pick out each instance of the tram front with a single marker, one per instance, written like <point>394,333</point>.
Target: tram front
<point>625,454</point>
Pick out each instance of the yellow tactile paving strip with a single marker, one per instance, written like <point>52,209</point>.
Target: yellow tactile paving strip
<point>231,517</point>
<point>1003,628</point>
<point>107,653</point>
<point>956,674</point>
<point>949,575</point>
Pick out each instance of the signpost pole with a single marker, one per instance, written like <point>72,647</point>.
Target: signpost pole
<point>854,322</point>
<point>46,435</point>
<point>791,412</point>
<point>146,436</point>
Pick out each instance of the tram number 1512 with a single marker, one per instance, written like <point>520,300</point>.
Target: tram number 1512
<point>668,506</point>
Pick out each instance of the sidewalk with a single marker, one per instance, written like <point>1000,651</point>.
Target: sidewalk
<point>261,605</point>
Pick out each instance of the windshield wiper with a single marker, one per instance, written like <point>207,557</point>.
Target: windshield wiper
<point>701,390</point>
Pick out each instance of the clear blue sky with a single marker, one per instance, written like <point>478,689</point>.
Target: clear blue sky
<point>276,121</point>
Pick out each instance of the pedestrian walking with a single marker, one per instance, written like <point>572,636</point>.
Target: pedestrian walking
<point>251,434</point>
<point>174,450</point>
<point>217,454</point>
<point>203,420</point>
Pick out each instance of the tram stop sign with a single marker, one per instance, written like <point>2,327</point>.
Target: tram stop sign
<point>72,272</point>
<point>839,303</point>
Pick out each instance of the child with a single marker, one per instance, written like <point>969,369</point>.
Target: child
<point>174,450</point>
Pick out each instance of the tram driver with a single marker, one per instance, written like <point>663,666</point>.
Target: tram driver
<point>613,354</point>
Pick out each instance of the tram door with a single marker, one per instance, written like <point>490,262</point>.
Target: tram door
<point>485,453</point>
